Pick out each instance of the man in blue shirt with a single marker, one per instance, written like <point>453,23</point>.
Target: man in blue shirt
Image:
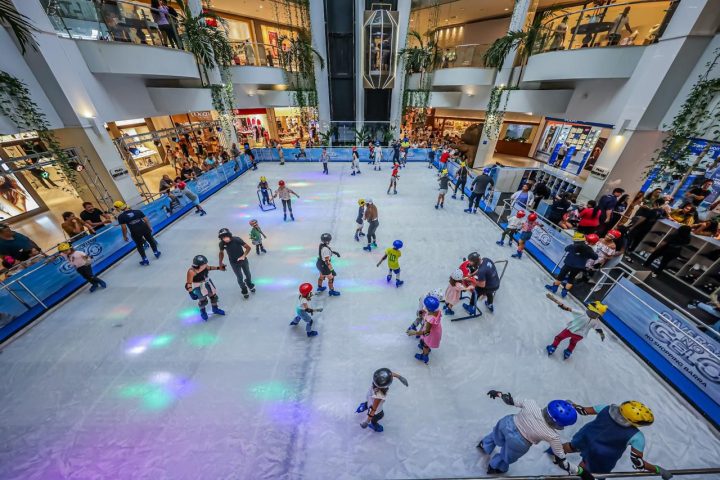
<point>140,230</point>
<point>607,204</point>
<point>16,245</point>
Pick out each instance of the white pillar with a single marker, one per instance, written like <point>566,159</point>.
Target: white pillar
<point>359,49</point>
<point>397,92</point>
<point>317,31</point>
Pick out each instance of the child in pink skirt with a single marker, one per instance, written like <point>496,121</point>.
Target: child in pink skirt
<point>454,290</point>
<point>431,332</point>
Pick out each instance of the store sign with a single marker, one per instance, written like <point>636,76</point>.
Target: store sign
<point>118,172</point>
<point>691,352</point>
<point>599,172</point>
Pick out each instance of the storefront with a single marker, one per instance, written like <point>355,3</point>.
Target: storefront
<point>516,138</point>
<point>288,123</point>
<point>571,146</point>
<point>253,126</point>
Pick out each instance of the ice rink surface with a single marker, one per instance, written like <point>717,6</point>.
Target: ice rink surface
<point>128,383</point>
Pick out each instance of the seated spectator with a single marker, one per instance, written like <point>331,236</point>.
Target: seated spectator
<point>685,215</point>
<point>708,228</point>
<point>187,172</point>
<point>16,244</point>
<point>95,217</point>
<point>74,227</point>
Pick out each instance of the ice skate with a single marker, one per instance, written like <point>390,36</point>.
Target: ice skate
<point>550,350</point>
<point>373,245</point>
<point>467,210</point>
<point>422,358</point>
<point>517,255</point>
<point>94,287</point>
<point>376,426</point>
<point>252,288</point>
<point>245,295</point>
<point>217,310</point>
<point>453,196</point>
<point>471,310</point>
<point>203,314</point>
<point>295,321</point>
<point>362,234</point>
<point>102,283</point>
<point>144,262</point>
<point>436,206</point>
<point>388,278</point>
<point>285,217</point>
<point>501,243</point>
<point>552,288</point>
<point>448,310</point>
<point>320,289</point>
<point>157,254</point>
<point>357,237</point>
<point>262,249</point>
<point>334,293</point>
<point>564,292</point>
<point>352,174</point>
<point>398,283</point>
<point>312,333</point>
<point>368,248</point>
<point>566,354</point>
<point>490,306</point>
<point>292,217</point>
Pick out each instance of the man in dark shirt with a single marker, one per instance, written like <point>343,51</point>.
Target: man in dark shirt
<point>643,222</point>
<point>540,192</point>
<point>578,254</point>
<point>461,175</point>
<point>140,230</point>
<point>16,245</point>
<point>237,251</point>
<point>187,173</point>
<point>166,184</point>
<point>94,217</point>
<point>478,186</point>
<point>698,194</point>
<point>607,204</point>
<point>487,282</point>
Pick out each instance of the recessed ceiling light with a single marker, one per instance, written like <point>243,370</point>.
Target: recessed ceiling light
<point>507,9</point>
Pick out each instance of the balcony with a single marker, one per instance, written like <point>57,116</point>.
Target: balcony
<point>456,67</point>
<point>258,65</point>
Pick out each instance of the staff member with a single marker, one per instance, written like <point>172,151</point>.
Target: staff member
<point>487,282</point>
<point>237,251</point>
<point>140,230</point>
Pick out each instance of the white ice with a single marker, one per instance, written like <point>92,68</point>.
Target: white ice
<point>126,383</point>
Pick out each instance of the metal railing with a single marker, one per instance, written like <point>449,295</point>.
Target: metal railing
<point>637,22</point>
<point>114,20</point>
<point>468,55</point>
<point>260,55</point>
<point>702,472</point>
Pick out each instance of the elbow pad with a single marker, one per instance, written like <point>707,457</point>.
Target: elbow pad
<point>637,461</point>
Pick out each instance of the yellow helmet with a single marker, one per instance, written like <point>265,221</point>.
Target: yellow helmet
<point>119,204</point>
<point>444,172</point>
<point>263,179</point>
<point>637,413</point>
<point>64,247</point>
<point>463,164</point>
<point>578,237</point>
<point>361,202</point>
<point>597,307</point>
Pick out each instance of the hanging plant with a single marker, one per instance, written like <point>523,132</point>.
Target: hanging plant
<point>18,23</point>
<point>421,59</point>
<point>494,113</point>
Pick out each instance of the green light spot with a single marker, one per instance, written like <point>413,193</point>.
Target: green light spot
<point>263,281</point>
<point>293,248</point>
<point>161,340</point>
<point>157,399</point>
<point>271,391</point>
<point>130,391</point>
<point>203,340</point>
<point>188,312</point>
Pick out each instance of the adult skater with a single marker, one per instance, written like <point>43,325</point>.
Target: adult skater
<point>431,330</point>
<point>460,181</point>
<point>355,163</point>
<point>373,404</point>
<point>371,216</point>
<point>82,263</point>
<point>578,254</point>
<point>324,265</point>
<point>431,158</point>
<point>325,158</point>
<point>479,185</point>
<point>443,182</point>
<point>359,220</point>
<point>579,326</point>
<point>393,179</point>
<point>264,190</point>
<point>182,190</point>
<point>487,282</point>
<point>200,287</point>
<point>237,252</point>
<point>513,226</point>
<point>284,193</point>
<point>250,155</point>
<point>303,311</point>
<point>515,434</point>
<point>396,151</point>
<point>377,157</point>
<point>603,441</point>
<point>140,230</point>
<point>393,254</point>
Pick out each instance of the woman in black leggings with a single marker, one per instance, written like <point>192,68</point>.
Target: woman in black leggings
<point>371,216</point>
<point>669,249</point>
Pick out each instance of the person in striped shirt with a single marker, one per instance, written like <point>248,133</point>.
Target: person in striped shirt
<point>515,434</point>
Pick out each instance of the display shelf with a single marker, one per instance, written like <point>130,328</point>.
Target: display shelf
<point>559,181</point>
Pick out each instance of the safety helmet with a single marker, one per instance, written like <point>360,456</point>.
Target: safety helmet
<point>253,222</point>
<point>181,185</point>
<point>431,303</point>
<point>615,234</point>
<point>463,164</point>
<point>354,149</point>
<point>486,171</point>
<point>281,183</point>
<point>64,247</point>
<point>305,289</point>
<point>224,232</point>
<point>199,261</point>
<point>444,172</point>
<point>520,213</point>
<point>437,293</point>
<point>325,238</point>
<point>532,217</point>
<point>457,275</point>
<point>578,237</point>
<point>120,204</point>
<point>368,200</point>
<point>263,179</point>
<point>397,244</point>
<point>361,201</point>
<point>377,143</point>
<point>561,414</point>
<point>637,413</point>
<point>597,307</point>
<point>474,257</point>
<point>382,378</point>
<point>592,239</point>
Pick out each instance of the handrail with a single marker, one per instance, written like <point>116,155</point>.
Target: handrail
<point>246,53</point>
<point>679,472</point>
<point>603,7</point>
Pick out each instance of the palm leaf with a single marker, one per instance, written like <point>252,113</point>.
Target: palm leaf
<point>499,50</point>
<point>18,23</point>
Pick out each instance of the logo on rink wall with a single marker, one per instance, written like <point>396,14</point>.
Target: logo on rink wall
<point>92,247</point>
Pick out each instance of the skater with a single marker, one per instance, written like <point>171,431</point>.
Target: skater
<point>378,156</point>
<point>371,152</point>
<point>393,255</point>
<point>249,154</point>
<point>303,310</point>
<point>431,158</point>
<point>237,251</point>
<point>579,326</point>
<point>526,231</point>
<point>182,190</point>
<point>82,263</point>
<point>443,181</point>
<point>396,151</point>
<point>324,265</point>
<point>513,226</point>
<point>140,230</point>
<point>458,285</point>
<point>431,331</point>
<point>578,254</point>
<point>479,185</point>
<point>461,181</point>
<point>515,434</point>
<point>422,310</point>
<point>324,158</point>
<point>394,176</point>
<point>264,190</point>
<point>281,153</point>
<point>200,287</point>
<point>403,157</point>
<point>359,220</point>
<point>371,216</point>
<point>256,237</point>
<point>355,164</point>
<point>382,378</point>
<point>603,441</point>
<point>284,193</point>
<point>486,281</point>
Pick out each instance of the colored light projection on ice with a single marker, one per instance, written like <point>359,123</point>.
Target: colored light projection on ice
<point>159,392</point>
<point>283,406</point>
<point>140,345</point>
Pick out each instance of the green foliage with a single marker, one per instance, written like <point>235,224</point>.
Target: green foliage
<point>18,23</point>
<point>499,50</point>
<point>494,114</point>
<point>423,57</point>
<point>209,44</point>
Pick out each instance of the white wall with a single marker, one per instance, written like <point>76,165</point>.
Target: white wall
<point>582,64</point>
<point>599,101</point>
<point>484,32</point>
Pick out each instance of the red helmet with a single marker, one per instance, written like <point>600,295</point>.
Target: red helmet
<point>615,234</point>
<point>281,183</point>
<point>354,149</point>
<point>305,289</point>
<point>592,239</point>
<point>181,185</point>
<point>520,213</point>
<point>532,217</point>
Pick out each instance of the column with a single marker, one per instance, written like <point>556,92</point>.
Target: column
<point>359,49</point>
<point>396,99</point>
<point>317,32</point>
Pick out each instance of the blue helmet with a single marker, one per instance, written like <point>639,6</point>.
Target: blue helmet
<point>561,413</point>
<point>397,244</point>
<point>431,303</point>
<point>486,171</point>
<point>377,143</point>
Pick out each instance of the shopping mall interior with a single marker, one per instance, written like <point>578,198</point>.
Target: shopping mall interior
<point>565,153</point>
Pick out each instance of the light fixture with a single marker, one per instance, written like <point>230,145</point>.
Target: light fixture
<point>507,9</point>
<point>529,113</point>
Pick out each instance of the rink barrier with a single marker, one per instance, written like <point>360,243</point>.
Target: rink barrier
<point>337,154</point>
<point>25,296</point>
<point>635,474</point>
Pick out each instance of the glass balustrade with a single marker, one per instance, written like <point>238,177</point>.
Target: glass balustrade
<point>470,55</point>
<point>260,55</point>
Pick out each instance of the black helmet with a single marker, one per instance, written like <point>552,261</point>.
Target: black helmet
<point>224,232</point>
<point>325,238</point>
<point>474,257</point>
<point>199,260</point>
<point>382,378</point>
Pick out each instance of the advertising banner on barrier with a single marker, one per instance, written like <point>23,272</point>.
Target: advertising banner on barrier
<point>690,351</point>
<point>550,241</point>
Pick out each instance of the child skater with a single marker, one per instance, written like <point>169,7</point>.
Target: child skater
<point>284,193</point>
<point>256,237</point>
<point>324,158</point>
<point>403,157</point>
<point>454,290</point>
<point>443,181</point>
<point>378,156</point>
<point>324,265</point>
<point>264,190</point>
<point>303,309</point>
<point>420,312</point>
<point>513,226</point>
<point>355,164</point>
<point>371,152</point>
<point>382,378</point>
<point>82,263</point>
<point>394,178</point>
<point>579,326</point>
<point>431,332</point>
<point>200,287</point>
<point>526,231</point>
<point>392,255</point>
<point>359,220</point>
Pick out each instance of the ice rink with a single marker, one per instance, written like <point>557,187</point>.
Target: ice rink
<point>129,383</point>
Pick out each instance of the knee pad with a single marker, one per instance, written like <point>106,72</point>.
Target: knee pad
<point>203,302</point>
<point>397,271</point>
<point>214,299</point>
